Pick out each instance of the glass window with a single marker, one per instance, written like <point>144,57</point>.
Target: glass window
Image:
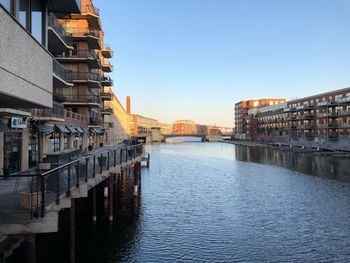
<point>33,152</point>
<point>6,4</point>
<point>24,13</point>
<point>37,20</point>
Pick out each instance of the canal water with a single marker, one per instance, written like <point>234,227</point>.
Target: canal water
<point>216,202</point>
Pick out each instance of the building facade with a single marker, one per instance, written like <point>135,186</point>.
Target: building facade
<point>321,120</point>
<point>184,127</point>
<point>53,81</point>
<point>243,125</point>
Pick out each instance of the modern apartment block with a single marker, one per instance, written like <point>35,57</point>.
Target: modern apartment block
<point>243,125</point>
<point>321,120</point>
<point>184,127</point>
<point>28,77</point>
<point>53,84</point>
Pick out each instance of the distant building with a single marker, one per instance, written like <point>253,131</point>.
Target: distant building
<point>141,125</point>
<point>184,127</point>
<point>243,125</point>
<point>321,120</point>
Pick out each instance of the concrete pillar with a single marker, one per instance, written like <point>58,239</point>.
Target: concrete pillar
<point>72,232</point>
<point>24,151</point>
<point>85,141</point>
<point>71,140</point>
<point>110,197</point>
<point>30,249</point>
<point>61,141</point>
<point>1,152</point>
<point>94,215</point>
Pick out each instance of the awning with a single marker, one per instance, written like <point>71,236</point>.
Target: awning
<point>4,128</point>
<point>92,130</point>
<point>62,128</point>
<point>72,129</point>
<point>85,130</point>
<point>99,131</point>
<point>44,128</point>
<point>79,129</point>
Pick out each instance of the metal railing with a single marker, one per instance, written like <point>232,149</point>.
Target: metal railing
<point>86,76</point>
<point>59,29</point>
<point>83,31</point>
<point>83,98</point>
<point>60,71</point>
<point>80,53</point>
<point>48,188</point>
<point>95,121</point>
<point>107,80</point>
<point>57,111</point>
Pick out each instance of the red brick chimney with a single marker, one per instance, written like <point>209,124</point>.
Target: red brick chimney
<point>128,104</point>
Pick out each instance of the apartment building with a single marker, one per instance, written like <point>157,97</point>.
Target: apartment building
<point>244,127</point>
<point>184,127</point>
<point>53,81</point>
<point>28,76</point>
<point>321,120</point>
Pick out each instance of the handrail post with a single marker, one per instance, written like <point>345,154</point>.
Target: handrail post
<point>86,169</point>
<point>69,180</point>
<point>101,163</point>
<point>94,172</point>
<point>115,157</point>
<point>121,156</point>
<point>78,173</point>
<point>42,179</point>
<point>107,161</point>
<point>57,187</point>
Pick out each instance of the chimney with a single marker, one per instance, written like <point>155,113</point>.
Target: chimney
<point>128,104</point>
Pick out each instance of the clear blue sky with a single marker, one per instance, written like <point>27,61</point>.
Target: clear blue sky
<point>194,59</point>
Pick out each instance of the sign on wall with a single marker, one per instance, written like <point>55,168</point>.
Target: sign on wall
<point>18,123</point>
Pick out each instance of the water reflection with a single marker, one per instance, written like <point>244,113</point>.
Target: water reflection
<point>309,163</point>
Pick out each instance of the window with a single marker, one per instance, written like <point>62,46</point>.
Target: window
<point>24,13</point>
<point>55,140</point>
<point>33,152</point>
<point>37,20</point>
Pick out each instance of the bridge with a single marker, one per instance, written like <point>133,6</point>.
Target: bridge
<point>166,136</point>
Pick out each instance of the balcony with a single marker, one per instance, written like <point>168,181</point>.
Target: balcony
<point>92,37</point>
<point>344,113</point>
<point>308,127</point>
<point>92,15</point>
<point>327,104</point>
<point>65,6</point>
<point>107,52</point>
<point>345,100</point>
<point>95,121</point>
<point>107,111</point>
<point>107,66</point>
<point>93,80</point>
<point>92,101</point>
<point>59,40</point>
<point>73,118</point>
<point>308,117</point>
<point>56,113</point>
<point>106,96</point>
<point>81,56</point>
<point>62,77</point>
<point>107,81</point>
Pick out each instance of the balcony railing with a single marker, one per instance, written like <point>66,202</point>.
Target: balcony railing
<point>60,71</point>
<point>79,53</point>
<point>86,76</point>
<point>107,81</point>
<point>83,31</point>
<point>95,121</point>
<point>59,29</point>
<point>83,98</point>
<point>57,111</point>
<point>74,118</point>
